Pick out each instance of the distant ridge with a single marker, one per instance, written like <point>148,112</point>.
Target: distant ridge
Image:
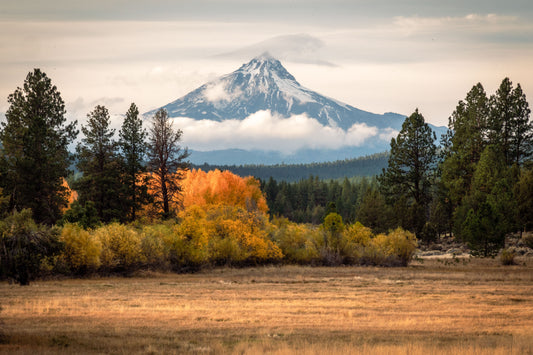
<point>369,165</point>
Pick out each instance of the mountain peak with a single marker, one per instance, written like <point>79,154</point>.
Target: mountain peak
<point>264,65</point>
<point>264,84</point>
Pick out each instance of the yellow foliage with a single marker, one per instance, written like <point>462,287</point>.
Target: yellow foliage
<point>398,246</point>
<point>190,237</point>
<point>225,234</point>
<point>155,245</point>
<point>81,250</point>
<point>358,234</point>
<point>299,243</point>
<point>121,247</point>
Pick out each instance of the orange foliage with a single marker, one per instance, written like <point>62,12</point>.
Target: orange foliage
<point>70,194</point>
<point>222,188</point>
<point>226,214</point>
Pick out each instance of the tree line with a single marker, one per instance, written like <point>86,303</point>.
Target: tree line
<point>476,185</point>
<point>119,176</point>
<point>369,166</point>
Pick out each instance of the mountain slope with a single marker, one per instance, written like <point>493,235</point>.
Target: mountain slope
<point>264,84</point>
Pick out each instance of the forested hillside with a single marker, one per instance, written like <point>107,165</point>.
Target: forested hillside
<point>370,165</point>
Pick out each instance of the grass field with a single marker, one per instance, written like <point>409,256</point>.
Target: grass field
<point>478,307</point>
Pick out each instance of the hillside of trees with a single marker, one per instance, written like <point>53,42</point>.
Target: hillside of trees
<point>369,166</point>
<point>138,204</point>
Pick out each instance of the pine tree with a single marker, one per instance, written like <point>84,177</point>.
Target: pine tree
<point>98,161</point>
<point>35,139</point>
<point>166,162</point>
<point>373,211</point>
<point>133,148</point>
<point>487,213</point>
<point>509,126</point>
<point>465,143</point>
<point>523,191</point>
<point>411,165</point>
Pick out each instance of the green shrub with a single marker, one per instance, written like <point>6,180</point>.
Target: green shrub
<point>81,251</point>
<point>24,245</point>
<point>86,215</point>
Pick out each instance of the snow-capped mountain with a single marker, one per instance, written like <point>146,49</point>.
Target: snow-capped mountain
<point>264,84</point>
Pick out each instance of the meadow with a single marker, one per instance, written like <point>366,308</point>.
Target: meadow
<point>470,306</point>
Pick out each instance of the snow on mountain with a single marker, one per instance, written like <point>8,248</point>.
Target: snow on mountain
<point>263,84</point>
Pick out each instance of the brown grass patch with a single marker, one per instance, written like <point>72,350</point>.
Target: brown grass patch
<point>478,307</point>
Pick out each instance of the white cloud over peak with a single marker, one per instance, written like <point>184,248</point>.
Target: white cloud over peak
<point>266,131</point>
<point>218,92</point>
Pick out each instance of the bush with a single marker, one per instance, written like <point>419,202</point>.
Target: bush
<point>24,245</point>
<point>398,247</point>
<point>507,257</point>
<point>121,247</point>
<point>239,237</point>
<point>299,243</point>
<point>356,244</point>
<point>81,249</point>
<point>156,246</point>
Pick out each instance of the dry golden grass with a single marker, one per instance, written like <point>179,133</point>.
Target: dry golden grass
<point>477,308</point>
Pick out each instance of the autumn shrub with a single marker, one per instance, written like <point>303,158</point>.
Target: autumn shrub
<point>156,242</point>
<point>81,249</point>
<point>239,237</point>
<point>507,257</point>
<point>121,247</point>
<point>189,240</point>
<point>224,221</point>
<point>356,244</point>
<point>299,243</point>
<point>395,249</point>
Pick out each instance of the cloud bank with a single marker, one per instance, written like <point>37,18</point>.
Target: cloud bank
<point>266,131</point>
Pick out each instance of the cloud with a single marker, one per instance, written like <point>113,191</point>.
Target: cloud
<point>266,131</point>
<point>298,48</point>
<point>388,133</point>
<point>217,92</point>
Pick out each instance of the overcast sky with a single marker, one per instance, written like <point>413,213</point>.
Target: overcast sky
<point>380,56</point>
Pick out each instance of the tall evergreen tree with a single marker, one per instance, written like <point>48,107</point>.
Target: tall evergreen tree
<point>166,162</point>
<point>97,160</point>
<point>133,148</point>
<point>465,143</point>
<point>410,172</point>
<point>487,213</point>
<point>523,192</point>
<point>509,126</point>
<point>35,139</point>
